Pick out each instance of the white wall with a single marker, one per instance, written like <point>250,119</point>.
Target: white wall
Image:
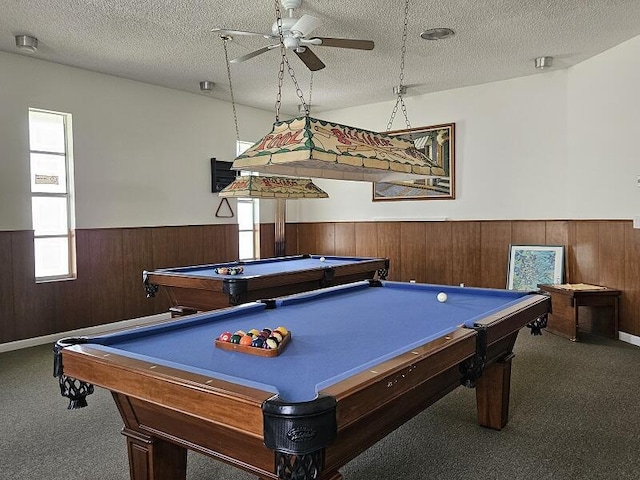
<point>555,145</point>
<point>141,152</point>
<point>604,134</point>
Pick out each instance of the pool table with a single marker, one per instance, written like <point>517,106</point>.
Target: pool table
<point>362,359</point>
<point>201,288</point>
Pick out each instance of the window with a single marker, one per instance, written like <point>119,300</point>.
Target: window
<point>248,219</point>
<point>51,194</point>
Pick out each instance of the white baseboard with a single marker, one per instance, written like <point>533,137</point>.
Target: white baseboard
<point>33,342</point>
<point>627,337</point>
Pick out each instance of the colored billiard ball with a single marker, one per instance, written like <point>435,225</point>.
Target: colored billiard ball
<point>225,337</point>
<point>257,342</point>
<point>442,297</point>
<point>277,335</point>
<point>282,330</point>
<point>322,259</point>
<point>235,338</point>
<point>271,343</point>
<point>246,340</point>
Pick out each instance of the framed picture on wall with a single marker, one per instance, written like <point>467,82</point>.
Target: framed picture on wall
<point>437,142</point>
<point>530,265</point>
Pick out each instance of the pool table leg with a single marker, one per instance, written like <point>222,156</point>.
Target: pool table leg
<point>154,459</point>
<point>492,393</point>
<point>150,458</point>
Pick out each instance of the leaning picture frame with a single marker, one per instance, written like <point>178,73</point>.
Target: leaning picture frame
<point>531,265</point>
<point>437,142</point>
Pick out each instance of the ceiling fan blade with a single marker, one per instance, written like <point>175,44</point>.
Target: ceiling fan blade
<point>224,31</point>
<point>345,43</point>
<point>254,54</point>
<point>306,25</point>
<point>310,59</point>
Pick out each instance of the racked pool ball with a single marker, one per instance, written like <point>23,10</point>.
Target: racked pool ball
<point>257,342</point>
<point>246,340</point>
<point>225,337</point>
<point>235,338</point>
<point>271,343</point>
<point>282,330</point>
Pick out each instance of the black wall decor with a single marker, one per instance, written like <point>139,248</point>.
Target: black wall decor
<point>221,175</point>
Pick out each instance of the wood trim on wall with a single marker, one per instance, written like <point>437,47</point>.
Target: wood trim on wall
<point>601,252</point>
<point>108,287</point>
<point>110,262</point>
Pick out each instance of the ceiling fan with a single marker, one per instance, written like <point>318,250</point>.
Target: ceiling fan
<point>296,36</point>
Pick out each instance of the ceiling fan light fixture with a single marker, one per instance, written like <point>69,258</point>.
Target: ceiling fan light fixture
<point>296,34</point>
<point>26,43</point>
<point>437,34</point>
<point>206,86</point>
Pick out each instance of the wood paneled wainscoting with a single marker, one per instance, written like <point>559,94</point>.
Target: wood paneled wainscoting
<point>108,287</point>
<point>110,263</point>
<point>601,252</point>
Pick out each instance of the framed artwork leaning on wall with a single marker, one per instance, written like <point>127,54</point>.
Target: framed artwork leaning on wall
<point>530,265</point>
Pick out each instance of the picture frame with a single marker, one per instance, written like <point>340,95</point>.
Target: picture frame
<point>437,142</point>
<point>531,265</point>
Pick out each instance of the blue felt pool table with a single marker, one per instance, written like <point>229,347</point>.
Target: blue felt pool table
<point>202,287</point>
<point>362,359</point>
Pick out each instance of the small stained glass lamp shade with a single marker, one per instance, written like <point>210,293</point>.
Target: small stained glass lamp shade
<point>252,186</point>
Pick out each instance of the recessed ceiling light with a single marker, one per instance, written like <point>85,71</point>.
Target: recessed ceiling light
<point>437,34</point>
<point>27,43</point>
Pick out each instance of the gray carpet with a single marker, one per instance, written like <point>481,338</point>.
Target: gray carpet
<point>575,414</point>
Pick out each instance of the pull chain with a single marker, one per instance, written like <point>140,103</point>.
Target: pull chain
<point>283,60</point>
<point>225,39</point>
<point>400,90</point>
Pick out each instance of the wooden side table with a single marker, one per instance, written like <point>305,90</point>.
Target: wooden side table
<point>585,307</point>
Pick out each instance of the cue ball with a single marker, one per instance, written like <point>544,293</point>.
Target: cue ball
<point>322,259</point>
<point>442,297</point>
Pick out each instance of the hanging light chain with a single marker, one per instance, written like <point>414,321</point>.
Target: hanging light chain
<point>295,82</point>
<point>401,89</point>
<point>225,39</point>
<point>282,54</point>
<point>308,109</point>
<point>404,43</point>
<point>283,60</point>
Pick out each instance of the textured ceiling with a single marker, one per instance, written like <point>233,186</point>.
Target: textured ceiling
<point>170,43</point>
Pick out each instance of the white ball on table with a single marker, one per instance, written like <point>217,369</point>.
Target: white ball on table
<point>442,297</point>
<point>322,259</point>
